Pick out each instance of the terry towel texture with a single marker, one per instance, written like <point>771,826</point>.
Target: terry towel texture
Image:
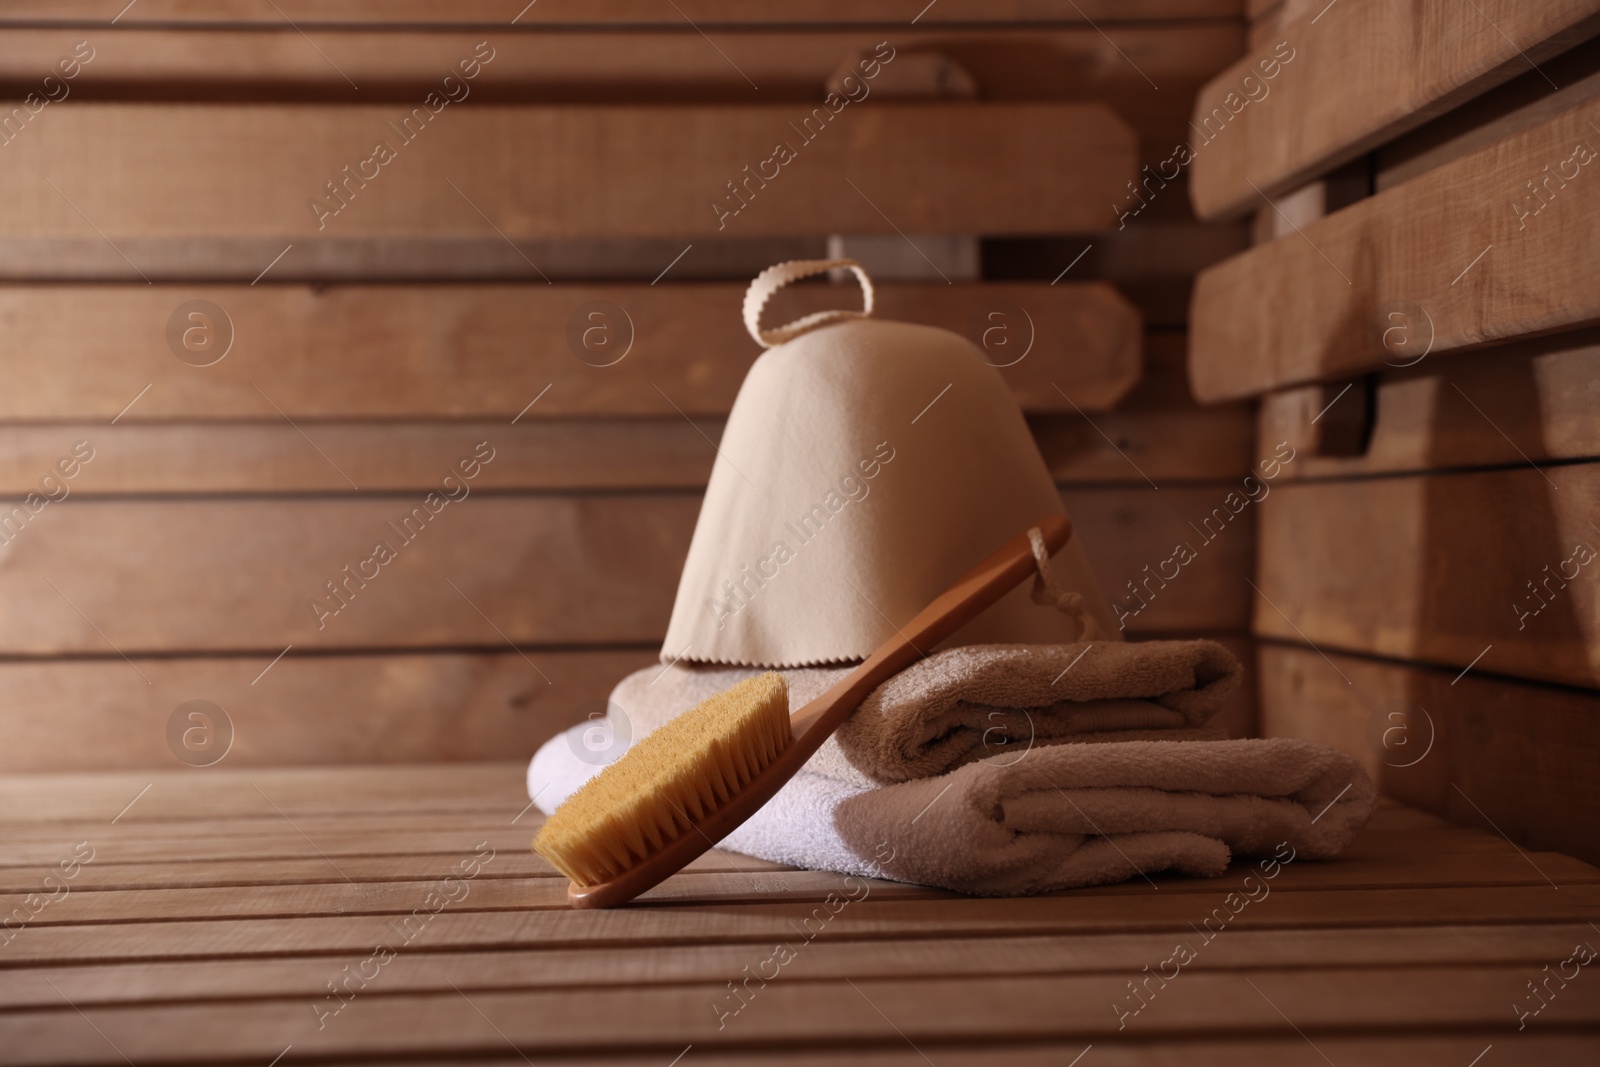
<point>959,771</point>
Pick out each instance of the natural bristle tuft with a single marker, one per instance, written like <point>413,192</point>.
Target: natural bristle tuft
<point>669,781</point>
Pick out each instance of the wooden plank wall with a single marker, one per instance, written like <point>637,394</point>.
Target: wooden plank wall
<point>232,360</point>
<point>1420,325</point>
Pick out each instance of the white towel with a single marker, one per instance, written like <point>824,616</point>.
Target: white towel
<point>1038,814</point>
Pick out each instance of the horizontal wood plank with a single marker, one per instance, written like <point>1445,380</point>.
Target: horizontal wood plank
<point>177,794</point>
<point>1371,70</point>
<point>1492,568</point>
<point>1486,752</point>
<point>1505,406</point>
<point>1462,256</point>
<point>301,710</point>
<point>565,171</point>
<point>487,13</point>
<point>622,62</point>
<point>926,1012</point>
<point>1155,428</point>
<point>201,459</point>
<point>1148,261</point>
<point>547,891</point>
<point>1534,96</point>
<point>1125,531</point>
<point>1407,943</point>
<point>923,918</point>
<point>360,870</point>
<point>189,459</point>
<point>488,351</point>
<point>266,564</point>
<point>204,980</point>
<point>389,707</point>
<point>1556,1048</point>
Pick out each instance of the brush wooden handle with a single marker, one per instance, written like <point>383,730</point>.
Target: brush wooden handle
<point>961,603</point>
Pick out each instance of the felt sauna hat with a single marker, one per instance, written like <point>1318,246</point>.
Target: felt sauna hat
<point>864,467</point>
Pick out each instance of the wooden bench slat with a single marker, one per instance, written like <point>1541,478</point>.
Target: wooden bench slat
<point>1526,100</point>
<point>1438,568</point>
<point>1519,755</point>
<point>1555,1049</point>
<point>201,459</point>
<point>519,862</point>
<point>206,459</point>
<point>178,794</point>
<point>717,13</point>
<point>377,708</point>
<point>933,918</point>
<point>1463,254</point>
<point>304,976</point>
<point>1419,926</point>
<point>487,351</point>
<point>1359,73</point>
<point>1499,407</point>
<point>1055,60</point>
<point>266,559</point>
<point>876,1011</point>
<point>548,891</point>
<point>564,171</point>
<point>1126,531</point>
<point>78,714</point>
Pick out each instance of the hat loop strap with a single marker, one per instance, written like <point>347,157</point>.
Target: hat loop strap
<point>1047,591</point>
<point>776,277</point>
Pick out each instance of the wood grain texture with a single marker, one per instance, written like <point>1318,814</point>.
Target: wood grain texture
<point>494,13</point>
<point>302,710</point>
<point>1125,531</point>
<point>1532,400</point>
<point>205,980</point>
<point>1459,253</point>
<point>718,880</point>
<point>1439,568</point>
<point>1371,70</point>
<point>235,575</point>
<point>241,575</point>
<point>487,351</point>
<point>967,1010</point>
<point>410,865</point>
<point>256,170</point>
<point>183,459</point>
<point>1156,428</point>
<point>1480,750</point>
<point>758,922</point>
<point>1420,926</point>
<point>1527,100</point>
<point>208,458</point>
<point>433,788</point>
<point>389,707</point>
<point>629,61</point>
<point>187,459</point>
<point>1169,445</point>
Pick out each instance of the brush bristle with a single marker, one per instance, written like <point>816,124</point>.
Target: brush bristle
<point>667,782</point>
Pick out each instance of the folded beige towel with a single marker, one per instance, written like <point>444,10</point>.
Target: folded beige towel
<point>958,706</point>
<point>986,798</point>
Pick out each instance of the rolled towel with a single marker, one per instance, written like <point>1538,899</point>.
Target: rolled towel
<point>1038,814</point>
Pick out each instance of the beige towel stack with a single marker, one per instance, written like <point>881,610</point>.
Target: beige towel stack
<point>963,772</point>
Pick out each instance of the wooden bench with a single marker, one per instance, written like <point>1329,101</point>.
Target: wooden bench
<point>252,358</point>
<point>345,913</point>
<point>1417,318</point>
